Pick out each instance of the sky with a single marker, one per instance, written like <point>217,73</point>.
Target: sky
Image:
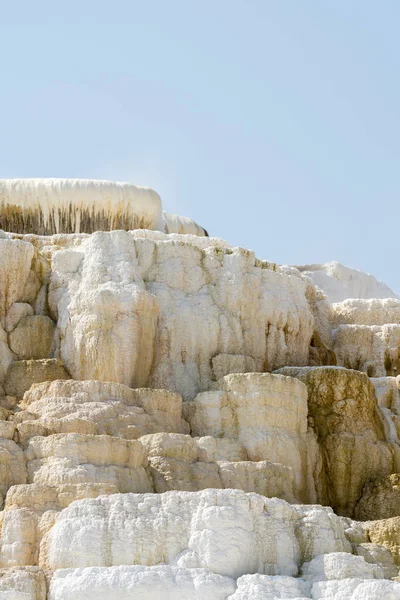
<point>274,124</point>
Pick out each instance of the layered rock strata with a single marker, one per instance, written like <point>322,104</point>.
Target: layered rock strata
<point>181,419</point>
<point>48,206</point>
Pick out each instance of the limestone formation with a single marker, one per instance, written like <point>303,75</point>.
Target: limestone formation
<point>340,282</point>
<point>373,349</point>
<point>23,374</point>
<point>94,407</point>
<point>367,312</point>
<point>180,419</point>
<point>180,304</point>
<point>76,458</point>
<point>15,265</point>
<point>378,555</point>
<point>268,415</point>
<point>47,206</point>
<point>221,530</point>
<point>12,465</point>
<point>343,412</point>
<point>180,462</point>
<point>15,314</point>
<point>132,582</point>
<point>27,583</point>
<point>380,499</point>
<point>31,509</point>
<point>33,338</point>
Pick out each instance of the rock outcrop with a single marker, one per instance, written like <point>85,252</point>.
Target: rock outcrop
<point>48,206</point>
<point>340,282</point>
<point>343,412</point>
<point>179,419</point>
<point>267,414</point>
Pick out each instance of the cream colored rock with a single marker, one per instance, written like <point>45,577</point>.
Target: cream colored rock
<point>344,412</point>
<point>15,265</point>
<point>22,584</point>
<point>41,497</point>
<point>180,303</point>
<point>12,466</point>
<point>91,286</point>
<point>321,346</point>
<point>8,402</point>
<point>31,510</point>
<point>380,499</point>
<point>224,364</point>
<point>387,390</point>
<point>48,206</point>
<point>182,225</point>
<point>77,458</point>
<point>268,415</point>
<point>31,289</point>
<point>340,565</point>
<point>19,538</point>
<point>378,555</point>
<point>388,395</point>
<point>212,449</point>
<point>33,338</point>
<point>6,356</point>
<point>262,477</point>
<point>139,582</point>
<point>100,408</point>
<point>356,532</point>
<point>188,316</point>
<point>24,373</point>
<point>265,587</point>
<point>7,429</point>
<point>158,583</point>
<point>356,589</point>
<point>367,312</point>
<point>386,533</point>
<point>179,462</point>
<point>223,531</point>
<point>374,349</point>
<point>340,282</point>
<point>16,313</point>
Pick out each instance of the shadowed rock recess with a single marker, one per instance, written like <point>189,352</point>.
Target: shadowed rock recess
<point>180,420</point>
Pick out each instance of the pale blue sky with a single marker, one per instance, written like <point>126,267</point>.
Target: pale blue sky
<point>274,124</point>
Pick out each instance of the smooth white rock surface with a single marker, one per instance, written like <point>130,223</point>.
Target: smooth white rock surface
<point>224,531</point>
<point>340,282</point>
<point>139,583</point>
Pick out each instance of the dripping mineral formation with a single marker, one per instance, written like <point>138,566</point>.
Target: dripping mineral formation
<point>49,206</point>
<point>180,420</point>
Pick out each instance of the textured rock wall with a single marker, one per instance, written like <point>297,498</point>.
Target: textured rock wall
<point>147,450</point>
<point>182,311</point>
<point>340,282</point>
<point>48,206</point>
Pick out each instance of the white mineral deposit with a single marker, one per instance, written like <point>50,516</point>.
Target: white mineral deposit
<point>181,420</point>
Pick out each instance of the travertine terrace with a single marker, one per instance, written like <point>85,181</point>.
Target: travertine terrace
<point>181,420</point>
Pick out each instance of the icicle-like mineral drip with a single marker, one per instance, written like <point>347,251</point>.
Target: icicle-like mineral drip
<point>49,206</point>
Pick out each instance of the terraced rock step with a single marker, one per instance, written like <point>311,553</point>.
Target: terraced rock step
<point>181,420</point>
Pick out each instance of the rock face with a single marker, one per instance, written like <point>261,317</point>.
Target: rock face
<point>22,374</point>
<point>47,206</point>
<point>380,498</point>
<point>340,282</point>
<point>268,415</point>
<point>343,412</point>
<point>179,419</point>
<point>94,407</point>
<point>180,303</point>
<point>187,528</point>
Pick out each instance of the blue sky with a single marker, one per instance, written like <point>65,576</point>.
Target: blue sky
<point>274,124</point>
